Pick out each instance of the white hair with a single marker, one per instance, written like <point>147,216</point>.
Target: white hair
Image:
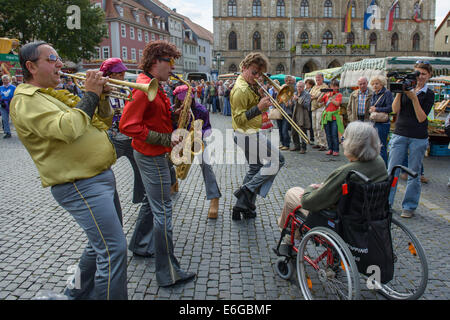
<point>361,141</point>
<point>379,78</point>
<point>5,76</point>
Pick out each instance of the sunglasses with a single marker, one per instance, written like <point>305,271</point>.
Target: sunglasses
<point>54,58</point>
<point>422,61</point>
<point>171,61</point>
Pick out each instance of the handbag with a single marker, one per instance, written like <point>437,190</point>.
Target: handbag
<point>274,114</point>
<point>379,116</point>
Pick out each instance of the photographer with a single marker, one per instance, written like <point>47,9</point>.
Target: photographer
<point>410,138</point>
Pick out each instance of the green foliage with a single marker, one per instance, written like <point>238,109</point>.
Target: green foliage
<point>47,20</point>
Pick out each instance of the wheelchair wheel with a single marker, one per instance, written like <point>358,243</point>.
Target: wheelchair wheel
<point>326,268</point>
<point>284,268</point>
<point>410,266</point>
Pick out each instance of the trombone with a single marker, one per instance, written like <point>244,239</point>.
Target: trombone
<point>285,93</point>
<point>121,89</point>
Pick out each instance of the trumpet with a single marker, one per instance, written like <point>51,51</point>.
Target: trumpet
<point>285,93</point>
<point>121,89</point>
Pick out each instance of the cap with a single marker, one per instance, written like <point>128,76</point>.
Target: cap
<point>113,65</point>
<point>181,91</point>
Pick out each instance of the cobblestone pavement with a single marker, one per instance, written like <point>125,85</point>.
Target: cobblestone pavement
<point>233,260</point>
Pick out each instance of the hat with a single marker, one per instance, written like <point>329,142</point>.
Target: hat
<point>113,65</point>
<point>180,92</point>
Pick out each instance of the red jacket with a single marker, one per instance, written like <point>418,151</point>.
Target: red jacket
<point>139,116</point>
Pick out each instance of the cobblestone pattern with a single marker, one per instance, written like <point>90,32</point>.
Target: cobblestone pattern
<point>233,260</point>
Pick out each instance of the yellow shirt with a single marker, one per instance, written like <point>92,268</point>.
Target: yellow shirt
<point>315,92</point>
<point>63,142</point>
<point>242,99</point>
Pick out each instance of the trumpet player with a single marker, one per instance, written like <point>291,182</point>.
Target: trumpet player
<point>247,107</point>
<point>150,126</point>
<point>66,140</point>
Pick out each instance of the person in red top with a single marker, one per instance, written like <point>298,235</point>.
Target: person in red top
<point>150,126</point>
<point>331,120</point>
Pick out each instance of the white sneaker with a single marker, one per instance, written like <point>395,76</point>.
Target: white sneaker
<point>407,213</point>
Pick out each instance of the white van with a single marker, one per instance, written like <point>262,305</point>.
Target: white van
<point>198,76</point>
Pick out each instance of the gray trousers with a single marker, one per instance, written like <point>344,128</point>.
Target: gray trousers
<point>209,178</point>
<point>156,223</point>
<point>264,163</point>
<point>103,265</point>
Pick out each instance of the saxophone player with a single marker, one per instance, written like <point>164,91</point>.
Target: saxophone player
<point>246,113</point>
<point>150,126</point>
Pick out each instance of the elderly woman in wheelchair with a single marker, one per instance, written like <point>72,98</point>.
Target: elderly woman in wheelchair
<point>344,226</point>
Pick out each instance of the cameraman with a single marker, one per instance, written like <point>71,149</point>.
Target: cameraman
<point>411,134</point>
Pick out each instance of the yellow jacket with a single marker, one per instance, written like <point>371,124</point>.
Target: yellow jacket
<point>242,99</point>
<point>62,141</point>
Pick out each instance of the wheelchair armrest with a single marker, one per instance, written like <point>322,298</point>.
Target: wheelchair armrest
<point>407,170</point>
<point>359,174</point>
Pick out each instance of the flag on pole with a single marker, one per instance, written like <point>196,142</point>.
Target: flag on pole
<point>347,26</point>
<point>418,11</point>
<point>372,17</point>
<point>389,22</point>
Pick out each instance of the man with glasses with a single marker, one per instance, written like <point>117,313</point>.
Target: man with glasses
<point>73,154</point>
<point>246,111</point>
<point>150,125</point>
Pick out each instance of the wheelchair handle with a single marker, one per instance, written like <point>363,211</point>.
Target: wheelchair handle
<point>408,171</point>
<point>359,174</point>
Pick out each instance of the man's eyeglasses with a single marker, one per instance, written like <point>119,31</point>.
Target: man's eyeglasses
<point>53,58</point>
<point>422,61</point>
<point>171,61</point>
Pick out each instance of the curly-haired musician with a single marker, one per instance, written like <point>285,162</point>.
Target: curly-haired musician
<point>150,126</point>
<point>67,140</point>
<point>264,160</point>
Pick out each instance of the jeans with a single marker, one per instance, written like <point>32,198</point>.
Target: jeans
<point>226,106</point>
<point>209,178</point>
<point>331,131</point>
<point>383,132</point>
<point>103,265</point>
<point>284,126</point>
<point>214,104</point>
<point>405,164</point>
<point>399,147</point>
<point>5,120</point>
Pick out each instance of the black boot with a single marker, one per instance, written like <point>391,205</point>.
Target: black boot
<point>249,214</point>
<point>247,194</point>
<point>236,215</point>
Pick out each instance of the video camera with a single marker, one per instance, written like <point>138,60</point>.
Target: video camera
<point>326,90</point>
<point>409,81</point>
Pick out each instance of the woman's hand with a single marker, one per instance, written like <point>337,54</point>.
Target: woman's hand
<point>316,186</point>
<point>372,109</point>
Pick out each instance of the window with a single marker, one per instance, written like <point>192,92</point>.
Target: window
<point>256,41</point>
<point>373,38</point>
<point>232,41</point>
<point>304,8</point>
<point>416,42</point>
<point>146,37</point>
<point>97,54</point>
<point>304,38</point>
<point>150,21</point>
<point>140,54</point>
<point>257,8</point>
<point>280,68</point>
<point>281,8</point>
<point>132,33</point>
<point>397,11</point>
<point>446,39</point>
<point>232,68</point>
<point>280,41</point>
<point>232,8</point>
<point>327,37</point>
<point>123,30</point>
<point>350,38</point>
<point>136,16</point>
<point>139,34</point>
<point>105,52</point>
<point>353,9</point>
<point>328,9</point>
<point>153,37</point>
<point>133,54</point>
<point>394,42</point>
<point>124,53</point>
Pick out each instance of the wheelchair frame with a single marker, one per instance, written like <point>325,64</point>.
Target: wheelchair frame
<point>334,246</point>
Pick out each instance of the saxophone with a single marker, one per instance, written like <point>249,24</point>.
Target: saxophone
<point>183,159</point>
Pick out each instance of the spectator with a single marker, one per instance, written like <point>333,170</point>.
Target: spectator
<point>381,103</point>
<point>411,134</point>
<point>6,94</point>
<point>226,99</point>
<point>283,125</point>
<point>317,109</point>
<point>359,102</point>
<point>309,84</point>
<point>220,93</point>
<point>331,120</point>
<point>301,116</point>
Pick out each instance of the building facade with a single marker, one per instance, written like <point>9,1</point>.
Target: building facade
<point>300,36</point>
<point>442,37</point>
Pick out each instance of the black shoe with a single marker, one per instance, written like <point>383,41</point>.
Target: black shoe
<point>146,255</point>
<point>247,194</point>
<point>184,278</point>
<point>249,214</point>
<point>236,215</point>
<point>6,136</point>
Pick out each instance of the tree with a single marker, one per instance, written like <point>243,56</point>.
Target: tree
<point>47,20</point>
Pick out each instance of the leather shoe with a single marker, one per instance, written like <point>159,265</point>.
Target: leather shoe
<point>249,214</point>
<point>302,151</point>
<point>6,136</point>
<point>187,276</point>
<point>146,255</point>
<point>213,209</point>
<point>236,215</point>
<point>247,194</point>
<point>294,149</point>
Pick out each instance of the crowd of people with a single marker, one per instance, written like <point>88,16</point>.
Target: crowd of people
<point>75,141</point>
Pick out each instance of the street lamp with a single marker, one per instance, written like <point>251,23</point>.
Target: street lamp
<point>218,61</point>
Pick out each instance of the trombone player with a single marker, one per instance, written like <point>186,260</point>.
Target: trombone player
<point>247,107</point>
<point>69,146</point>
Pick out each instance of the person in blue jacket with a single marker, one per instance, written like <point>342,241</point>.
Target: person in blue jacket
<point>6,94</point>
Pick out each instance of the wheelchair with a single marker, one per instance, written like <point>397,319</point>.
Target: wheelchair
<point>329,267</point>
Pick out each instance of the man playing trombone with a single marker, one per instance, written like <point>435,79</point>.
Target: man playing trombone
<point>66,138</point>
<point>246,111</point>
